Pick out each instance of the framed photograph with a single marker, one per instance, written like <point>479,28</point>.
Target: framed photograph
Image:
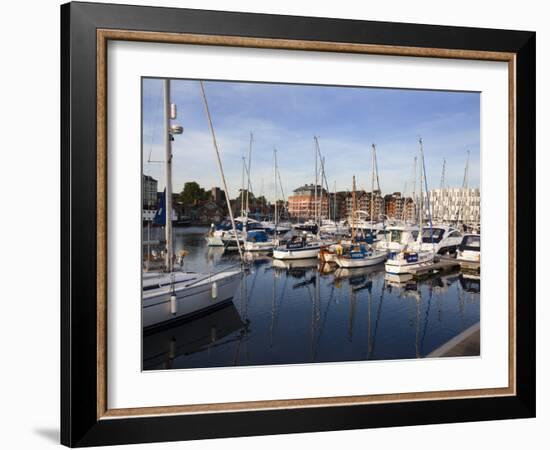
<point>275,224</point>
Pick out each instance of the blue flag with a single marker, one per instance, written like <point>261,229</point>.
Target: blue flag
<point>160,215</point>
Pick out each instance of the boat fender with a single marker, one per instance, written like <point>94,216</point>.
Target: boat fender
<point>214,290</point>
<point>173,304</point>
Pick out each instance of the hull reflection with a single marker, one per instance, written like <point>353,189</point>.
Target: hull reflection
<point>160,349</point>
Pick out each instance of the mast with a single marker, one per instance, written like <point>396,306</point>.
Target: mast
<point>282,190</point>
<point>353,210</point>
<point>324,177</point>
<point>334,202</point>
<point>168,168</point>
<point>442,182</point>
<point>421,200</point>
<point>427,195</point>
<point>276,216</point>
<point>248,172</point>
<point>316,175</point>
<point>464,187</point>
<point>414,187</point>
<point>242,188</point>
<point>441,187</point>
<point>372,189</point>
<point>220,168</point>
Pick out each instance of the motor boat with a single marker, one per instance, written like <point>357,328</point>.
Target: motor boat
<point>469,251</point>
<point>443,238</point>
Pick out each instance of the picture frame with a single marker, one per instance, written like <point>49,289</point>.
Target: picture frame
<point>86,418</point>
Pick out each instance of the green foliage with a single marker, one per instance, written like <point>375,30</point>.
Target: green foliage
<point>192,193</point>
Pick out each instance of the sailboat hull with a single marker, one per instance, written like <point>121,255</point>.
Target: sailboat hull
<point>298,253</point>
<point>360,262</point>
<point>191,301</point>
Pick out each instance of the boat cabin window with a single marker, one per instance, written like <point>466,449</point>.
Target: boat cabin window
<point>437,235</point>
<point>470,243</point>
<point>395,235</point>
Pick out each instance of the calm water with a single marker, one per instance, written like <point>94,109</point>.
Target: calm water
<point>300,312</point>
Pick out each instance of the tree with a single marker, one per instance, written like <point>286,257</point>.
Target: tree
<point>192,193</point>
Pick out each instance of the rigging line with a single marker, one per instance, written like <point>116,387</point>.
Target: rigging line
<point>376,169</point>
<point>220,168</point>
<point>281,185</point>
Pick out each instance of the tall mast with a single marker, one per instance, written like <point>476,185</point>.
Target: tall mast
<point>466,170</point>
<point>220,168</point>
<point>442,183</point>
<point>427,195</point>
<point>372,188</point>
<point>248,172</point>
<point>441,187</point>
<point>333,202</point>
<point>276,216</point>
<point>316,175</point>
<point>414,188</point>
<point>464,186</point>
<point>324,177</point>
<point>168,169</point>
<point>242,188</point>
<point>421,200</point>
<point>353,210</point>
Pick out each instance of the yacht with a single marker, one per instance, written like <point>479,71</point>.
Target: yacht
<point>469,251</point>
<point>397,237</point>
<point>444,239</point>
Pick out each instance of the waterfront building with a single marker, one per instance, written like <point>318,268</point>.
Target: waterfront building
<point>302,206</point>
<point>454,205</point>
<point>338,206</point>
<point>398,207</point>
<point>364,203</point>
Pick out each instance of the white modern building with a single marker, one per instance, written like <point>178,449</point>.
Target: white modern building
<point>454,204</point>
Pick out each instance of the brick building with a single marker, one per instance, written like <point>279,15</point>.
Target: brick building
<point>302,206</point>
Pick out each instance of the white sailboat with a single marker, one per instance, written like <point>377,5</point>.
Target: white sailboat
<point>300,247</point>
<point>362,254</point>
<point>414,256</point>
<point>174,294</point>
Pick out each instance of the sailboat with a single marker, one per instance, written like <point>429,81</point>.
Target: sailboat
<point>299,246</point>
<point>359,254</point>
<point>362,254</point>
<point>415,255</point>
<point>174,294</point>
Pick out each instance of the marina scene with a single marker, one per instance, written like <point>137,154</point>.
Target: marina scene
<point>265,242</point>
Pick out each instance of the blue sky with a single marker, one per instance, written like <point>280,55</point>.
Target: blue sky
<point>347,121</point>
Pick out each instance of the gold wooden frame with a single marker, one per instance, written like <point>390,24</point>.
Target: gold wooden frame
<point>103,36</point>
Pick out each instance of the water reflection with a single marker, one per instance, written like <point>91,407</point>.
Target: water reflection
<point>301,311</point>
